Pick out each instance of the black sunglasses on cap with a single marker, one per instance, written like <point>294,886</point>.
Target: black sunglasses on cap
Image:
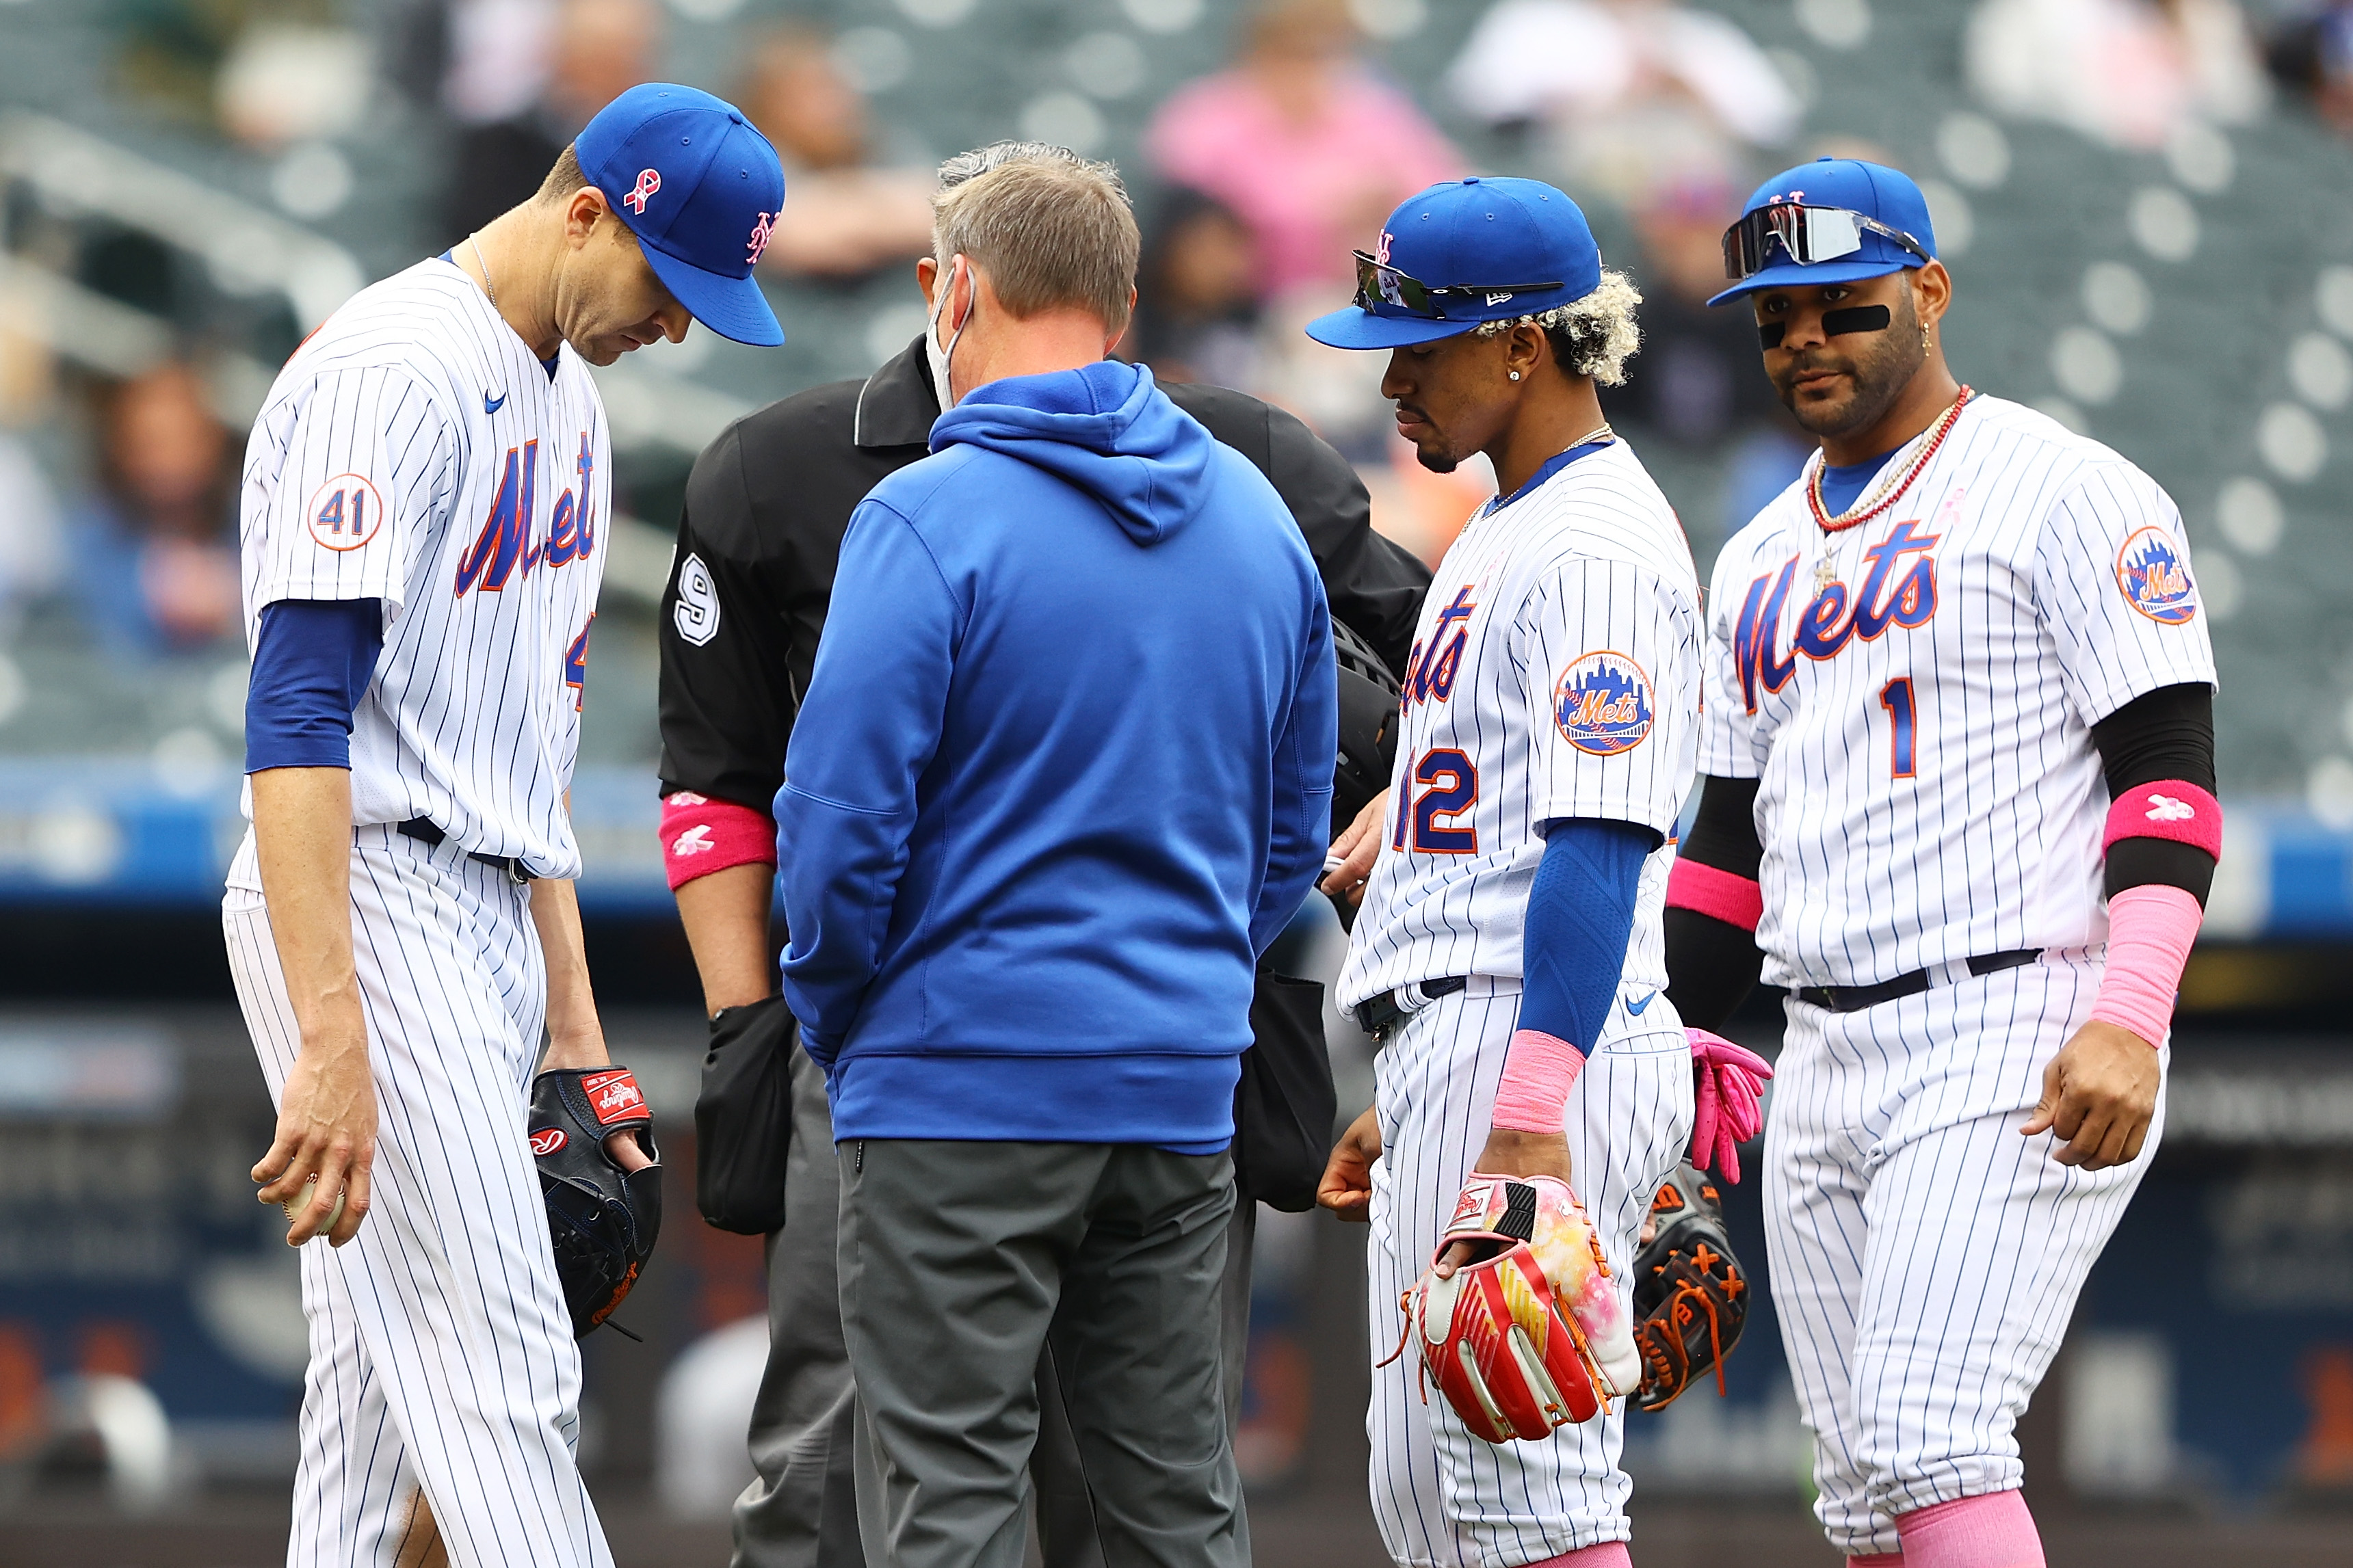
<point>1376,282</point>
<point>1808,235</point>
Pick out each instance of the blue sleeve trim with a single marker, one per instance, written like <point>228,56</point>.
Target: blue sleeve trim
<point>1580,914</point>
<point>312,661</point>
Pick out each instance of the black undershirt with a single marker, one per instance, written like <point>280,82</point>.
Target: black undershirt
<point>2168,733</point>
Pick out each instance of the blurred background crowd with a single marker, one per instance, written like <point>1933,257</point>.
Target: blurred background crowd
<point>2147,205</point>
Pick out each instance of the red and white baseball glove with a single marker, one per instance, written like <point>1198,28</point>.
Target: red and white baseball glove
<point>1535,1335</point>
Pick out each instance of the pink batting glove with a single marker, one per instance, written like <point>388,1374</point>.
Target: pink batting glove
<point>1728,1091</point>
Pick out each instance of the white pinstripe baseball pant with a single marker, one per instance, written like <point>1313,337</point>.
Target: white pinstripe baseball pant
<point>1925,1258</point>
<point>440,1350</point>
<point>1443,1496</point>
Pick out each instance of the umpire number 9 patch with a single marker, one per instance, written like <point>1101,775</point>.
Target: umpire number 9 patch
<point>696,613</point>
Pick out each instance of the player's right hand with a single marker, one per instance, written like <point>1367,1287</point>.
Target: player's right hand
<point>1348,1185</point>
<point>1358,843</point>
<point>326,1134</point>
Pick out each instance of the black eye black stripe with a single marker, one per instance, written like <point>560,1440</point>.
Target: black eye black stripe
<point>1853,318</point>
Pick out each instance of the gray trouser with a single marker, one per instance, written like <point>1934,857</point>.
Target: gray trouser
<point>801,1513</point>
<point>961,1265</point>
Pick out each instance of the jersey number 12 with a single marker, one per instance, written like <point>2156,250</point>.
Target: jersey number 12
<point>1451,788</point>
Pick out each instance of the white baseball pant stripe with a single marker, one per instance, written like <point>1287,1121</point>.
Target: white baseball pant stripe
<point>1442,1495</point>
<point>441,1354</point>
<point>1925,1258</point>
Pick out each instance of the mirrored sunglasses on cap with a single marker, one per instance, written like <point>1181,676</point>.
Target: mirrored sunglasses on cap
<point>1380,284</point>
<point>1808,235</point>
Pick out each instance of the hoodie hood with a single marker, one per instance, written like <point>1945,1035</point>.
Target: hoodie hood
<point>1106,429</point>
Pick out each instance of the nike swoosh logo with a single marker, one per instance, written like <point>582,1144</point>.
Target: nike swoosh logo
<point>492,405</point>
<point>1638,1007</point>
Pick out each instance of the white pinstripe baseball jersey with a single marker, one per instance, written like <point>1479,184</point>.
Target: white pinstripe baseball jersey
<point>1556,673</point>
<point>1916,694</point>
<point>415,451</point>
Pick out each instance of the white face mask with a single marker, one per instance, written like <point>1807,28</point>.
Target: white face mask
<point>937,355</point>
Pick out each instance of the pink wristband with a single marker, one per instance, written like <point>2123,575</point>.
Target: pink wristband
<point>2166,809</point>
<point>1712,890</point>
<point>1538,1073</point>
<point>2150,930</point>
<point>700,835</point>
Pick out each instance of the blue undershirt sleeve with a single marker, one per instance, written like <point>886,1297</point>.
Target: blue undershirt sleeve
<point>313,660</point>
<point>1580,914</point>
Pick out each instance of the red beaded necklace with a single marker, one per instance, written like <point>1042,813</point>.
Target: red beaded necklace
<point>1893,490</point>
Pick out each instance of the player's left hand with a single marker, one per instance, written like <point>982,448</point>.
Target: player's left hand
<point>1354,850</point>
<point>2100,1094</point>
<point>585,1047</point>
<point>1509,1152</point>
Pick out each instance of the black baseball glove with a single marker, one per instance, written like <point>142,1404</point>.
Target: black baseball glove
<point>602,1219</point>
<point>1690,1295</point>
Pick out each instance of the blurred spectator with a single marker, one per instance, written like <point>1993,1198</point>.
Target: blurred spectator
<point>1632,89</point>
<point>844,215</point>
<point>154,564</point>
<point>1698,385</point>
<point>2313,56</point>
<point>2122,71</point>
<point>29,546</point>
<point>597,49</point>
<point>1197,309</point>
<point>1302,142</point>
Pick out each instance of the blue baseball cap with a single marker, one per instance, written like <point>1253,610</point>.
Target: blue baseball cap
<point>1463,252</point>
<point>1873,191</point>
<point>700,188</point>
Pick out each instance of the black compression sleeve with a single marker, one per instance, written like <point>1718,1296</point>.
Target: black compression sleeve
<point>2168,733</point>
<point>1723,830</point>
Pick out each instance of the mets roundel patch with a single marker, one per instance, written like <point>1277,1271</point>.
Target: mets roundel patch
<point>2155,579</point>
<point>1603,704</point>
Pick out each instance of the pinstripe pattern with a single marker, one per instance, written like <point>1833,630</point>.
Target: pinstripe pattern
<point>1992,844</point>
<point>441,1350</point>
<point>474,719</point>
<point>1593,561</point>
<point>1925,1258</point>
<point>1440,1495</point>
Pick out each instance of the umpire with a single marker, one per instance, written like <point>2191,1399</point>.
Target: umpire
<point>764,515</point>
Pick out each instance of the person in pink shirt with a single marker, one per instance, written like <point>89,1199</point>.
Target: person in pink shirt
<point>1301,141</point>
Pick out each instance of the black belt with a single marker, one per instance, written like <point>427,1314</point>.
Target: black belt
<point>1379,1016</point>
<point>425,830</point>
<point>1855,998</point>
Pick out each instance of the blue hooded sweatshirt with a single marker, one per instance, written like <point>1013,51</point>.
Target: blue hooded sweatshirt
<point>1062,771</point>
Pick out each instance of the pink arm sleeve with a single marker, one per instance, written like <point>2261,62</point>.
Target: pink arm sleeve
<point>2150,930</point>
<point>1537,1076</point>
<point>1711,891</point>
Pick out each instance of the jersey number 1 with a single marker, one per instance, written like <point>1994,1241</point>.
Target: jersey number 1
<point>1903,719</point>
<point>1452,789</point>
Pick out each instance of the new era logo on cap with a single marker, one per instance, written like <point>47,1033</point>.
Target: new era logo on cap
<point>693,179</point>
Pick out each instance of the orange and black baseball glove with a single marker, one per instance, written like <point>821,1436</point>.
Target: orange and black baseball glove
<point>1690,1295</point>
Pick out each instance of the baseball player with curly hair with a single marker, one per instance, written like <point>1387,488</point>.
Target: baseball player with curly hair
<point>1508,952</point>
<point>425,498</point>
<point>1959,804</point>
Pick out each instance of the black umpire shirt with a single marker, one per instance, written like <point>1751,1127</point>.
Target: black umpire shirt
<point>761,533</point>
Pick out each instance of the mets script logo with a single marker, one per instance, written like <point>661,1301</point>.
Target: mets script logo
<point>546,1140</point>
<point>613,1096</point>
<point>2155,579</point>
<point>510,541</point>
<point>648,182</point>
<point>1899,589</point>
<point>760,233</point>
<point>1603,704</point>
<point>1431,666</point>
<point>1381,250</point>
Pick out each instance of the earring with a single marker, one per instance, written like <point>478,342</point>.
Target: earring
<point>1515,375</point>
<point>1924,337</point>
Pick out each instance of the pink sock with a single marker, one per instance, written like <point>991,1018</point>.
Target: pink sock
<point>1601,1554</point>
<point>1877,1560</point>
<point>1993,1531</point>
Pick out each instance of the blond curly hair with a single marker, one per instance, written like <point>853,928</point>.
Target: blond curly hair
<point>1594,336</point>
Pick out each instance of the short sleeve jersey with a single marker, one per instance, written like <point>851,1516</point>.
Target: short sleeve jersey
<point>1915,695</point>
<point>1556,673</point>
<point>415,451</point>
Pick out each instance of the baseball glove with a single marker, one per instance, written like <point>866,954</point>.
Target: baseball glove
<point>1532,1336</point>
<point>602,1219</point>
<point>1691,1296</point>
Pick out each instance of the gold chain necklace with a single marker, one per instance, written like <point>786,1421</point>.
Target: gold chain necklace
<point>1886,493</point>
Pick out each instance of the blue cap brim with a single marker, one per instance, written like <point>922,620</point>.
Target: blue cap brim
<point>1353,327</point>
<point>731,307</point>
<point>1790,275</point>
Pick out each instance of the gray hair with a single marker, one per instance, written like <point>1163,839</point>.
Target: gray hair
<point>1052,229</point>
<point>1594,336</point>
